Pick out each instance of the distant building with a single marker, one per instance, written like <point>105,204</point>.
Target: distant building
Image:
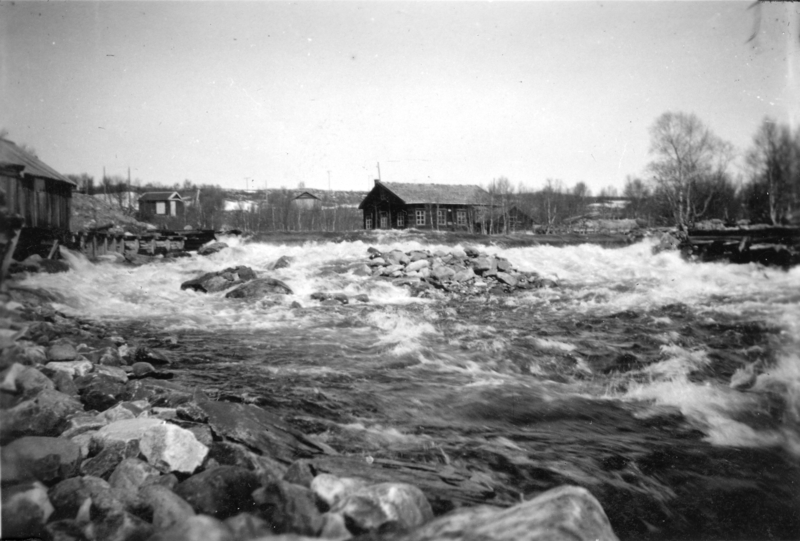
<point>394,205</point>
<point>161,204</point>
<point>306,201</point>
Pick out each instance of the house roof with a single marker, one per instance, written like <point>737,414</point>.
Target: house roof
<point>11,154</point>
<point>306,195</point>
<point>160,196</point>
<point>444,194</point>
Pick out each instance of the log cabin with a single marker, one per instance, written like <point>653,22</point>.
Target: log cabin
<point>395,205</point>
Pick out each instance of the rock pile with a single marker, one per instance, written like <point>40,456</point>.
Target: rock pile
<point>96,446</point>
<point>468,271</point>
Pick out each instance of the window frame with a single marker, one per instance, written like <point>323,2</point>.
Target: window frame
<point>401,219</point>
<point>161,208</point>
<point>441,216</point>
<point>368,222</point>
<point>461,217</point>
<point>420,216</point>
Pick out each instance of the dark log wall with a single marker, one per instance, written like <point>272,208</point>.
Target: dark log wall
<point>42,203</point>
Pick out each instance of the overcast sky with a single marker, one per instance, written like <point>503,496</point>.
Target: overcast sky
<point>248,94</point>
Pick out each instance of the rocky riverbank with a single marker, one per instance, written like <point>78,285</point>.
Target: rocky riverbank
<point>99,443</point>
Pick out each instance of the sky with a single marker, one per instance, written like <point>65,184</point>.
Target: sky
<point>248,95</point>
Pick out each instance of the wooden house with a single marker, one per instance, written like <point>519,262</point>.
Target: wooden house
<point>161,204</point>
<point>306,201</point>
<point>35,191</point>
<point>395,205</point>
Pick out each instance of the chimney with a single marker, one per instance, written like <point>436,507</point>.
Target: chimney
<point>377,181</point>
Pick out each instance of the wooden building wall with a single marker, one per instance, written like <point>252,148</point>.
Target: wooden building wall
<point>42,203</point>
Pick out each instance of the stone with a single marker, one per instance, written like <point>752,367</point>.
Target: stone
<point>70,495</point>
<point>120,526</point>
<point>259,288</point>
<point>282,262</point>
<point>61,352</point>
<point>397,257</point>
<point>361,297</point>
<point>213,282</point>
<point>289,508</point>
<point>246,527</point>
<point>197,528</point>
<point>100,391</point>
<point>169,509</point>
<point>258,429</point>
<point>463,276</point>
<point>360,269</point>
<point>300,472</point>
<point>64,383</point>
<point>142,369</point>
<point>131,473</point>
<point>211,248</point>
<point>565,513</point>
<point>443,273</point>
<point>45,459</point>
<point>417,255</point>
<point>482,265</point>
<point>127,432</point>
<point>44,415</point>
<point>376,262</point>
<point>171,448</point>
<point>221,492</point>
<point>108,459</point>
<point>53,266</point>
<point>26,380</point>
<point>82,423</point>
<point>114,372</point>
<point>25,510</point>
<point>417,264</point>
<point>190,411</point>
<point>65,530</point>
<point>400,505</point>
<point>330,489</point>
<point>507,279</point>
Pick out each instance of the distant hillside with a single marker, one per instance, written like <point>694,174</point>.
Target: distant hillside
<point>329,198</point>
<point>90,212</point>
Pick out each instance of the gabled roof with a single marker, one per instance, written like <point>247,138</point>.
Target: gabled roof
<point>443,194</point>
<point>306,195</point>
<point>11,154</point>
<point>160,196</point>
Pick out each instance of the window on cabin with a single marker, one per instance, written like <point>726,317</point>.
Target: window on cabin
<point>384,220</point>
<point>461,217</point>
<point>441,216</point>
<point>401,220</point>
<point>368,223</point>
<point>161,207</point>
<point>420,217</point>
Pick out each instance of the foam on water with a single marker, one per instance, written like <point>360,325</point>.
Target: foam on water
<point>594,281</point>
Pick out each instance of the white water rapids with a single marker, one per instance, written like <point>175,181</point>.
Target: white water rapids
<point>594,283</point>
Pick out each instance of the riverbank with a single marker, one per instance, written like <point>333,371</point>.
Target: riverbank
<point>99,443</point>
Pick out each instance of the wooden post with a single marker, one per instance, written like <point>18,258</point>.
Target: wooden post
<point>53,249</point>
<point>11,238</point>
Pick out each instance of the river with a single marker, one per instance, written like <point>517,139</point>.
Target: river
<point>618,380</point>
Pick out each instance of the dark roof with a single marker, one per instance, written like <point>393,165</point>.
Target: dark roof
<point>444,194</point>
<point>306,195</point>
<point>11,154</point>
<point>158,196</point>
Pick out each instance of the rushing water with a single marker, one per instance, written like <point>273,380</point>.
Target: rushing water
<point>618,380</point>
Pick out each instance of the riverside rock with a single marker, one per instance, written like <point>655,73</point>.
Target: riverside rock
<point>168,508</point>
<point>44,415</point>
<point>289,508</point>
<point>212,282</point>
<point>171,448</point>
<point>25,510</point>
<point>211,248</point>
<point>127,432</point>
<point>330,490</point>
<point>61,352</point>
<point>26,380</point>
<point>196,528</point>
<point>566,513</point>
<point>120,526</point>
<point>73,368</point>
<point>259,288</point>
<point>221,492</point>
<point>45,459</point>
<point>371,508</point>
<point>131,474</point>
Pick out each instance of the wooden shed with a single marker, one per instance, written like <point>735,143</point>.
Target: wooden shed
<point>395,205</point>
<point>35,191</point>
<point>306,201</point>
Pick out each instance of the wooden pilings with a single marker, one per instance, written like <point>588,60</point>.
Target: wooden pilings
<point>94,244</point>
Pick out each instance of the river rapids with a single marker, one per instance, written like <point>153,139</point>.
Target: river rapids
<point>669,389</point>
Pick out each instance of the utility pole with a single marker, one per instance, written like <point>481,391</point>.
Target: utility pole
<point>379,170</point>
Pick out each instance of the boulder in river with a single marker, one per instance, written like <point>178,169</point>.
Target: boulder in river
<point>212,282</point>
<point>566,513</point>
<point>259,288</point>
<point>211,248</point>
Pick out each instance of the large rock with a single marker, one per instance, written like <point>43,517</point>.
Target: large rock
<point>289,508</point>
<point>211,248</point>
<point>212,282</point>
<point>131,474</point>
<point>282,262</point>
<point>258,429</point>
<point>25,379</point>
<point>73,368</point>
<point>398,506</point>
<point>44,415</point>
<point>330,489</point>
<point>42,458</point>
<point>259,288</point>
<point>99,391</point>
<point>127,432</point>
<point>91,494</point>
<point>220,492</point>
<point>60,352</point>
<point>417,264</point>
<point>171,448</point>
<point>197,528</point>
<point>25,510</point>
<point>565,513</point>
<point>168,508</point>
<point>120,526</point>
